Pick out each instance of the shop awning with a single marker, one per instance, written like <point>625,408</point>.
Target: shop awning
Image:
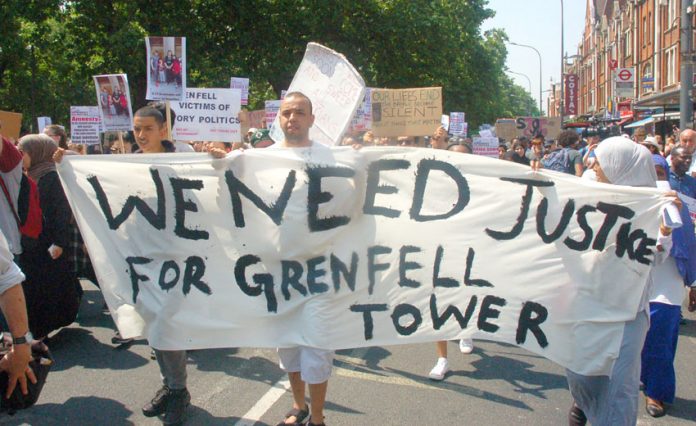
<point>642,122</point>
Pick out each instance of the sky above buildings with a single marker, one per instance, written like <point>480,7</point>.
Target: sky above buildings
<point>538,23</point>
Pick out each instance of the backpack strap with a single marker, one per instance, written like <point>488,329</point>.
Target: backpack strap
<point>9,200</point>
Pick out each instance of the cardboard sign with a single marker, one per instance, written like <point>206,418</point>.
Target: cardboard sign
<point>85,124</point>
<point>249,119</point>
<point>113,98</point>
<point>506,128</point>
<point>272,108</point>
<point>305,246</point>
<point>10,124</point>
<point>243,85</point>
<point>166,68</point>
<point>335,89</point>
<point>550,127</point>
<point>208,115</point>
<point>406,112</point>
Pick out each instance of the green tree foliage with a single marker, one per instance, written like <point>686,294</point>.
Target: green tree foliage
<point>50,49</point>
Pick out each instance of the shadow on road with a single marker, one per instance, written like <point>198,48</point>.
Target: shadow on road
<point>102,411</point>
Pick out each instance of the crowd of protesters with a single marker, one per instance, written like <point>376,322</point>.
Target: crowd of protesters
<point>54,260</point>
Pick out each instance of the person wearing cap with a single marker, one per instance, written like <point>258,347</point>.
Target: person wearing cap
<point>651,143</point>
<point>261,138</point>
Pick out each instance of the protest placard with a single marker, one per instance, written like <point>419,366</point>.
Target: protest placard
<point>549,127</point>
<point>406,112</point>
<point>457,121</point>
<point>113,98</point>
<point>243,85</point>
<point>445,122</point>
<point>506,128</point>
<point>85,124</point>
<point>166,68</point>
<point>362,119</point>
<point>272,108</point>
<point>10,124</point>
<point>265,249</point>
<point>486,146</point>
<point>42,122</point>
<point>252,119</point>
<point>208,115</point>
<point>335,89</point>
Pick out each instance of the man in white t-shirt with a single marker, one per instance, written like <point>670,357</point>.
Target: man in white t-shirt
<point>303,364</point>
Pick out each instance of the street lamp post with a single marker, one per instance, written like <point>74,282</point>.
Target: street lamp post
<point>562,100</point>
<point>529,81</point>
<point>540,68</point>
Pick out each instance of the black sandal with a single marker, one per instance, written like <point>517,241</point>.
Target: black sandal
<point>298,414</point>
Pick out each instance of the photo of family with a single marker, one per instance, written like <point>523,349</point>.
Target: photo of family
<point>166,68</point>
<point>114,101</point>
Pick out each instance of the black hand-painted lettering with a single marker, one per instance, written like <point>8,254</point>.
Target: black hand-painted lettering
<point>425,166</point>
<point>338,269</point>
<point>524,208</point>
<point>165,283</point>
<point>157,220</point>
<point>264,282</point>
<point>581,216</point>
<point>405,266</point>
<point>439,281</point>
<point>531,317</point>
<point>368,322</point>
<point>273,210</point>
<point>468,281</point>
<point>626,244</point>
<point>613,212</point>
<point>292,272</point>
<point>451,310</point>
<point>134,275</point>
<point>314,274</point>
<point>193,274</point>
<point>373,267</point>
<point>316,196</point>
<point>373,187</point>
<point>182,205</point>
<point>487,313</point>
<point>542,211</point>
<point>402,310</point>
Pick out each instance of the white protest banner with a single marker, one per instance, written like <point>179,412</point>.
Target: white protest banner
<point>208,115</point>
<point>457,121</point>
<point>335,89</point>
<point>285,247</point>
<point>11,124</point>
<point>272,108</point>
<point>242,84</point>
<point>445,122</point>
<point>166,68</point>
<point>406,112</point>
<point>486,146</point>
<point>113,97</point>
<point>85,123</point>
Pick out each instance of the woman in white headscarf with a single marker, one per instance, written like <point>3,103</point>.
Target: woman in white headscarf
<point>613,400</point>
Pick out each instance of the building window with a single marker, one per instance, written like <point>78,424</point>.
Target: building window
<point>671,13</point>
<point>647,81</point>
<point>671,66</point>
<point>644,35</point>
<point>627,44</point>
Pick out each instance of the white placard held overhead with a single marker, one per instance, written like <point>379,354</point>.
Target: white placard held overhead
<point>85,124</point>
<point>208,115</point>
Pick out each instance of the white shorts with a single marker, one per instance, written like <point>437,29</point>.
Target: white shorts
<point>314,365</point>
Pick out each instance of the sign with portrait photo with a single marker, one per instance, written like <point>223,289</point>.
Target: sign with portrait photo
<point>166,68</point>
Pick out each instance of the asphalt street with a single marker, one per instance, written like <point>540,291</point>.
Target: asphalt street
<point>95,383</point>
